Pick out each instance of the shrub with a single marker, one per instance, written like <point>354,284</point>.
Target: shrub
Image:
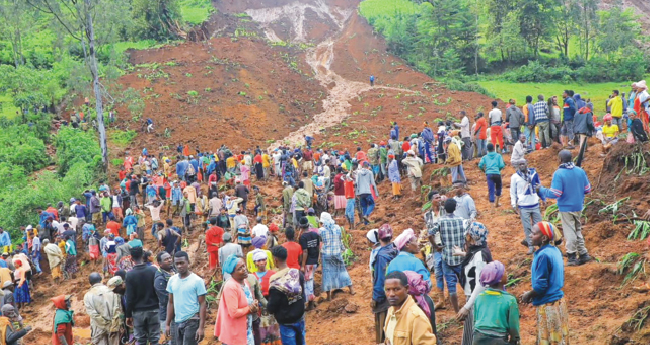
<point>454,84</point>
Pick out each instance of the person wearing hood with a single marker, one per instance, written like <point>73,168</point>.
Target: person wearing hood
<point>492,164</point>
<point>636,128</point>
<point>366,189</point>
<point>394,177</point>
<point>413,166</point>
<point>580,103</point>
<point>583,124</point>
<point>385,254</point>
<point>63,321</point>
<point>524,199</point>
<point>569,186</point>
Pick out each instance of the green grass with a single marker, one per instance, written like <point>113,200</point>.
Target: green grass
<point>7,108</point>
<point>195,12</point>
<point>122,138</point>
<point>598,92</point>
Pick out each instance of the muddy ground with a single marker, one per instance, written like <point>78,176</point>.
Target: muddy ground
<point>245,87</point>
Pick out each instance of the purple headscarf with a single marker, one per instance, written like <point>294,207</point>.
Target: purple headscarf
<point>404,238</point>
<point>492,273</point>
<point>258,241</point>
<point>418,288</point>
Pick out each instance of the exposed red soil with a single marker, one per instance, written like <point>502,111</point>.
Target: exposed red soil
<point>599,306</point>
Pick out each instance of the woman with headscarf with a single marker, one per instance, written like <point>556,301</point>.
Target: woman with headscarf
<point>272,241</point>
<point>394,177</point>
<point>234,324</point>
<point>335,274</point>
<point>21,294</point>
<point>123,250</point>
<point>407,244</point>
<point>130,222</point>
<point>258,242</point>
<point>373,240</point>
<point>71,258</point>
<point>641,103</point>
<point>419,288</point>
<point>547,280</point>
<point>269,328</point>
<point>111,254</point>
<point>476,257</point>
<point>496,314</point>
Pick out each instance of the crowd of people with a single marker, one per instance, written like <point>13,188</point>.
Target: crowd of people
<point>268,279</point>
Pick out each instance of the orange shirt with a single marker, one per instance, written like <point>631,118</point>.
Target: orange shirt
<point>481,127</point>
<point>114,227</point>
<point>213,237</point>
<point>294,252</point>
<point>349,189</point>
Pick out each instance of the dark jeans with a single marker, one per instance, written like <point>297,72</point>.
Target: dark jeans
<point>146,327</point>
<point>467,148</point>
<point>494,185</point>
<point>293,334</point>
<point>184,333</point>
<point>484,339</point>
<point>515,132</point>
<point>367,204</point>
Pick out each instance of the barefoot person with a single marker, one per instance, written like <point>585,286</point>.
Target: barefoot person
<point>547,280</point>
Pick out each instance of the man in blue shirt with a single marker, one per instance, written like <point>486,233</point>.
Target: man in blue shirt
<point>569,110</point>
<point>186,305</point>
<point>547,279</point>
<point>5,241</point>
<point>569,186</point>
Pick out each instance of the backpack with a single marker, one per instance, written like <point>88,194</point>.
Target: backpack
<point>190,170</point>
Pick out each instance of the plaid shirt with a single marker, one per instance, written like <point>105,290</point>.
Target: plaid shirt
<point>452,233</point>
<point>332,244</point>
<point>541,112</point>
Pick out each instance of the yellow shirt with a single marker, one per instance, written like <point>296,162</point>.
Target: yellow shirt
<point>266,161</point>
<point>610,131</point>
<point>231,162</point>
<point>270,264</point>
<point>295,163</point>
<point>616,105</point>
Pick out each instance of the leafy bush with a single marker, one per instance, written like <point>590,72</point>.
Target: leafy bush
<point>122,137</point>
<point>19,147</point>
<point>76,146</point>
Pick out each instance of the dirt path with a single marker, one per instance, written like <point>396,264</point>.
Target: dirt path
<point>340,90</point>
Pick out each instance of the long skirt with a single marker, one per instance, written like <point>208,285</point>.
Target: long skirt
<point>94,252</point>
<point>468,328</point>
<point>71,264</point>
<point>335,274</point>
<point>553,323</point>
<point>269,329</point>
<point>21,295</point>
<point>111,261</point>
<point>340,202</point>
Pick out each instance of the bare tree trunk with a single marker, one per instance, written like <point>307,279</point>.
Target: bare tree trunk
<point>99,106</point>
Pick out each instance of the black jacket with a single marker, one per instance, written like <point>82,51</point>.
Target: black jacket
<point>638,131</point>
<point>140,292</point>
<point>279,306</point>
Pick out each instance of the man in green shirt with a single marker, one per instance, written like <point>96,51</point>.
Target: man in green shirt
<point>106,204</point>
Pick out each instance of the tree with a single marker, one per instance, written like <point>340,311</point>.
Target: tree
<point>619,29</point>
<point>16,19</point>
<point>587,24</point>
<point>564,20</point>
<point>156,19</point>
<point>76,16</point>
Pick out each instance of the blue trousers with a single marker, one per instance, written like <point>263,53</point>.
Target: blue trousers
<point>494,185</point>
<point>428,154</point>
<point>437,265</point>
<point>482,147</point>
<point>367,204</point>
<point>36,259</point>
<point>293,334</point>
<point>530,138</point>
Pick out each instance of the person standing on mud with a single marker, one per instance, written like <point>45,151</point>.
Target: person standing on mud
<point>385,254</point>
<point>365,189</point>
<point>104,308</point>
<point>372,80</point>
<point>569,186</point>
<point>492,164</point>
<point>496,132</point>
<point>454,161</point>
<point>547,280</point>
<point>524,199</point>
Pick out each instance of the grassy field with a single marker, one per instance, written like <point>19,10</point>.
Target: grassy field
<point>195,12</point>
<point>598,92</point>
<point>7,108</point>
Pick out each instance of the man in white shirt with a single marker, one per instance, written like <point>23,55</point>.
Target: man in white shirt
<point>496,132</point>
<point>518,151</point>
<point>215,205</point>
<point>465,136</point>
<point>260,229</point>
<point>524,198</point>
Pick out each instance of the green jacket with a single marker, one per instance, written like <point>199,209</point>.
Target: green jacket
<point>492,163</point>
<point>106,204</point>
<point>383,155</point>
<point>303,199</point>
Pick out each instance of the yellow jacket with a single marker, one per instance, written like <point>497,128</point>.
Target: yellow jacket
<point>413,326</point>
<point>453,155</point>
